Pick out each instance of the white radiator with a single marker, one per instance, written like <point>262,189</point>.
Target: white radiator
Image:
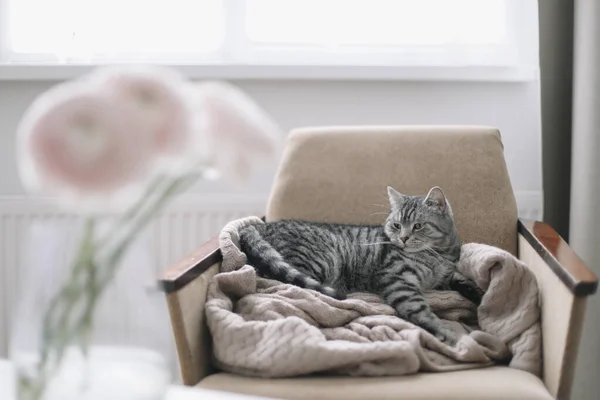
<point>180,229</point>
<point>177,231</point>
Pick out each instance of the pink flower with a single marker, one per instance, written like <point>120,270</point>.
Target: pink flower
<point>155,97</point>
<point>238,134</point>
<point>75,142</point>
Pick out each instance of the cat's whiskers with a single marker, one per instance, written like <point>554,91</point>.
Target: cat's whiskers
<point>435,249</point>
<point>379,213</point>
<point>433,252</point>
<point>386,206</point>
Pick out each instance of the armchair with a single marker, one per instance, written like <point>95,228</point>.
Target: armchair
<point>337,175</point>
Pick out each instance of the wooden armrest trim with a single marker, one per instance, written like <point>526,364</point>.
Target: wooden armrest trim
<point>567,265</point>
<point>193,265</point>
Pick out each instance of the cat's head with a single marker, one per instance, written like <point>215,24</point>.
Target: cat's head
<point>417,223</point>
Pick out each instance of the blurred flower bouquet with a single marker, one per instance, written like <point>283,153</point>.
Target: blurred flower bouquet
<point>125,141</point>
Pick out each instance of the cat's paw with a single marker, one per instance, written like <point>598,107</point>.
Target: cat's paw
<point>478,295</point>
<point>447,336</point>
<point>472,293</point>
<point>467,288</point>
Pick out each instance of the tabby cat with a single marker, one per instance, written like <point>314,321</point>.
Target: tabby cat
<point>416,249</point>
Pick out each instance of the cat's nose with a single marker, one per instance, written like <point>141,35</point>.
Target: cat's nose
<point>404,239</point>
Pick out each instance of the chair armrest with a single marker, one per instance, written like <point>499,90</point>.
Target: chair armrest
<point>559,257</point>
<point>185,284</point>
<point>564,283</point>
<point>192,266</point>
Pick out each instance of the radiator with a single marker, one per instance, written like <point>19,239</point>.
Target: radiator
<point>176,232</point>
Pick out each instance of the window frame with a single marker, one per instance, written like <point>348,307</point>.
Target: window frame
<point>238,60</point>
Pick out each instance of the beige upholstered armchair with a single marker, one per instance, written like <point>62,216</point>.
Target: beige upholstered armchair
<point>337,175</point>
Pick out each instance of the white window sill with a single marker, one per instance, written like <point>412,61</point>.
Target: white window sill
<point>13,72</point>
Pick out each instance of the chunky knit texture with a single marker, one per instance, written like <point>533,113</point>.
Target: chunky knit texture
<point>266,328</point>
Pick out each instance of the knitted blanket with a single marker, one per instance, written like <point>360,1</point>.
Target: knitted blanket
<point>266,328</point>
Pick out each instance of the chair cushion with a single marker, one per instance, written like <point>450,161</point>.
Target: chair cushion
<point>340,175</point>
<point>495,383</point>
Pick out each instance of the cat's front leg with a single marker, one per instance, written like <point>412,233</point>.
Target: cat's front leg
<point>410,304</point>
<point>466,287</point>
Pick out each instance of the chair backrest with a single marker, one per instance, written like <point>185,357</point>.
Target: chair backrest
<point>340,175</point>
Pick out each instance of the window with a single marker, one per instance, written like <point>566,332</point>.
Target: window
<point>382,32</point>
<point>80,31</point>
<point>265,32</point>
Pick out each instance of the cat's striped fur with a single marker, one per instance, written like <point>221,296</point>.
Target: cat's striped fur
<point>415,249</point>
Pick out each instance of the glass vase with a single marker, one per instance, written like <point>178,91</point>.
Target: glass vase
<point>122,350</point>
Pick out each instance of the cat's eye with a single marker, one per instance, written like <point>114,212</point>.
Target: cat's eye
<point>397,225</point>
<point>417,226</point>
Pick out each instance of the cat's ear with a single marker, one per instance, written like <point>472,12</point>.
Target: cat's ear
<point>396,198</point>
<point>435,198</point>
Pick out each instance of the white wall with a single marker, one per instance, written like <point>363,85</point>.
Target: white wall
<point>513,107</point>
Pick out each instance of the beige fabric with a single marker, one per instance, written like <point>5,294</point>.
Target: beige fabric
<point>562,320</point>
<point>192,339</point>
<point>495,383</point>
<point>340,174</point>
<point>265,328</point>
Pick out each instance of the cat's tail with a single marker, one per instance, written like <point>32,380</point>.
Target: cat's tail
<point>269,262</point>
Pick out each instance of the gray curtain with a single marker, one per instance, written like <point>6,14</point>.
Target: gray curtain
<point>585,181</point>
<point>570,89</point>
<point>556,72</point>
